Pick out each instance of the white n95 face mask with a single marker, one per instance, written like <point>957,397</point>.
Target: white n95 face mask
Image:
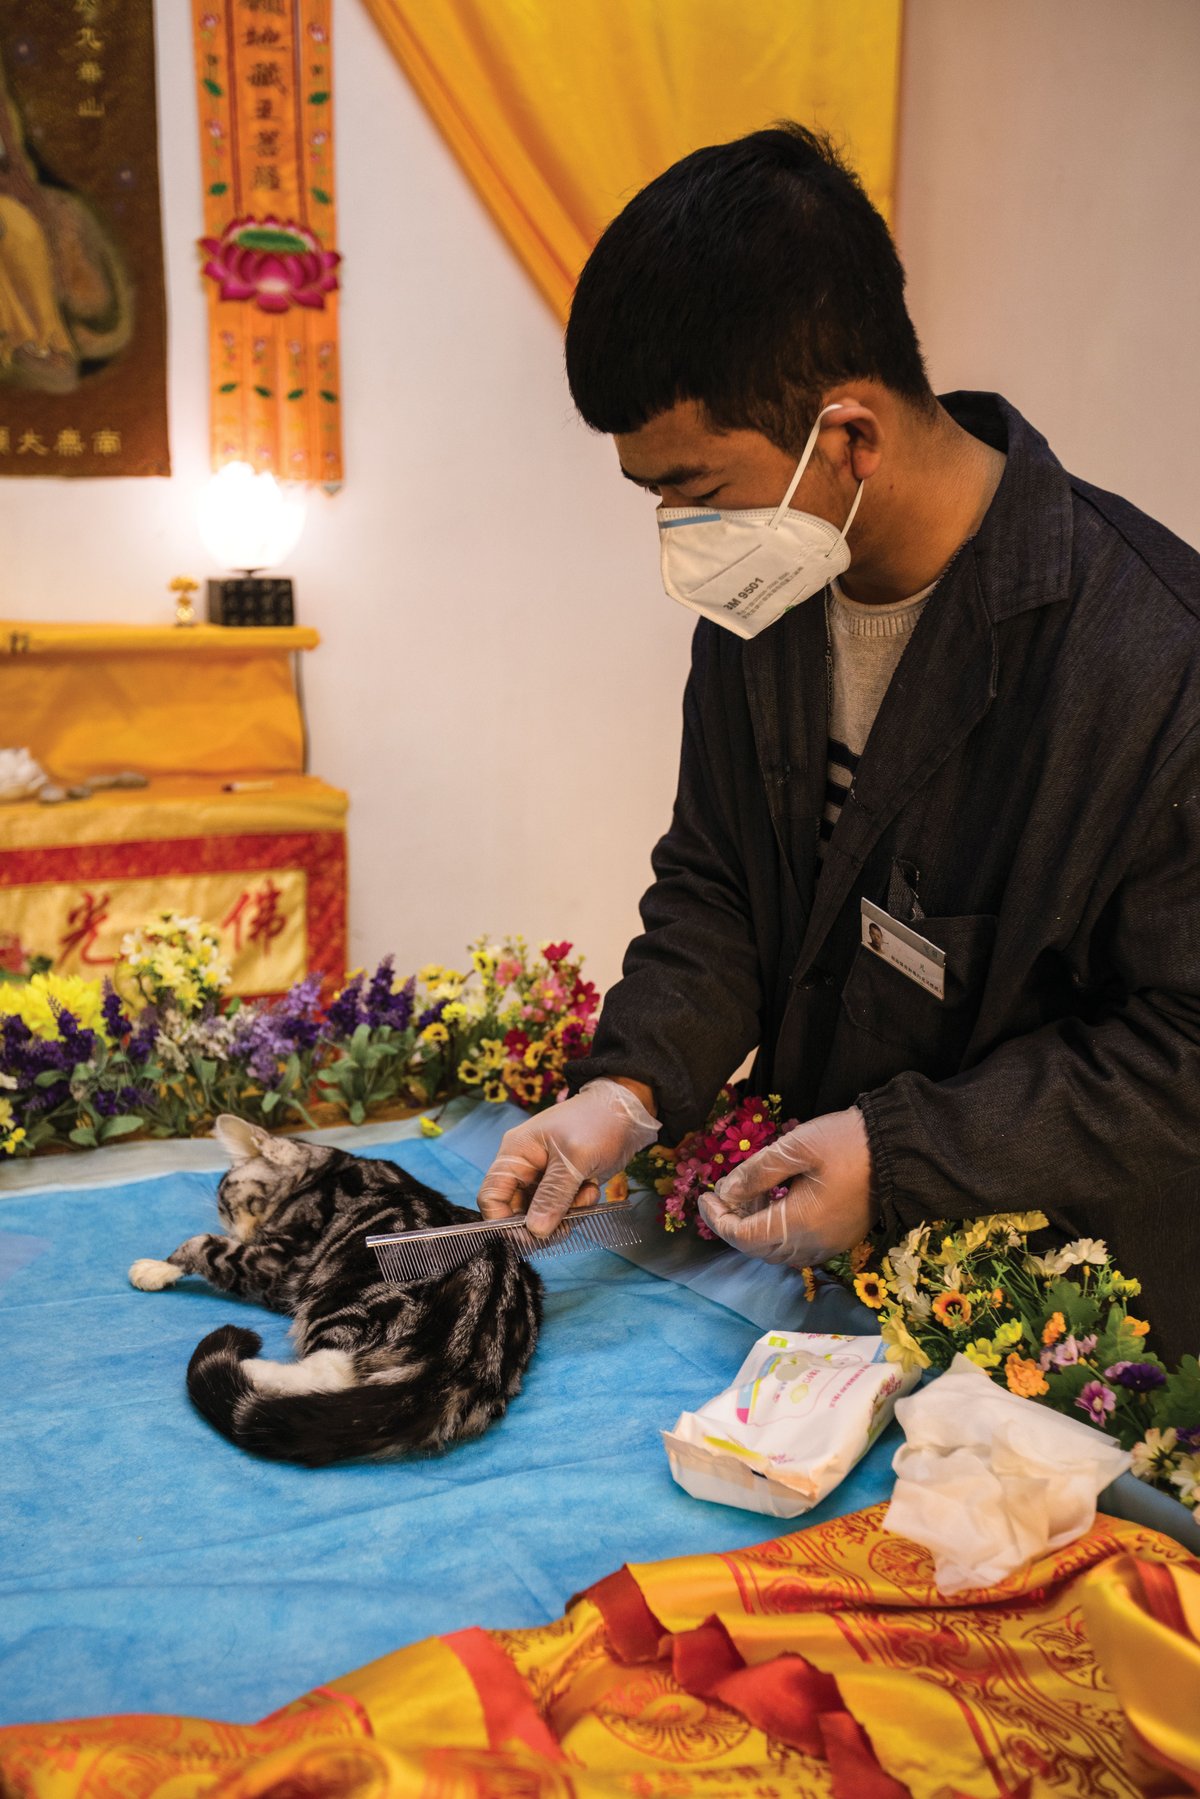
<point>745,568</point>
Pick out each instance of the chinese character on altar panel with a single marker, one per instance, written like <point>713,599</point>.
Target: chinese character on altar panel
<point>256,916</point>
<point>85,921</point>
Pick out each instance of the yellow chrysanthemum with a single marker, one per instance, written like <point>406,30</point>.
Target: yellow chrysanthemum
<point>1010,1334</point>
<point>469,1072</point>
<point>495,1092</point>
<point>454,1013</point>
<point>902,1346</point>
<point>434,1034</point>
<point>430,1127</point>
<point>982,1353</point>
<point>39,1001</point>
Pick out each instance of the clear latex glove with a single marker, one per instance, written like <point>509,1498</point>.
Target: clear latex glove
<point>824,1169</point>
<point>561,1157</point>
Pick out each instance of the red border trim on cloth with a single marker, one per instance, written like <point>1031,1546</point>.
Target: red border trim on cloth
<point>320,854</point>
<point>508,1708</point>
<point>634,1633</point>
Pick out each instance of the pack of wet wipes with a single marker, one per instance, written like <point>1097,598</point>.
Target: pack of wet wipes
<point>802,1410</point>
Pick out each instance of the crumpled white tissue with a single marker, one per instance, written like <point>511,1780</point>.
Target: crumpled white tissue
<point>986,1480</point>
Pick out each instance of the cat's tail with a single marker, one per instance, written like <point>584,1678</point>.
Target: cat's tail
<point>311,1411</point>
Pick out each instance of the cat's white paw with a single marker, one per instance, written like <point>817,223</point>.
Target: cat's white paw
<point>152,1276</point>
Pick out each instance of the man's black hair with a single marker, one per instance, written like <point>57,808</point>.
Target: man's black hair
<point>750,276</point>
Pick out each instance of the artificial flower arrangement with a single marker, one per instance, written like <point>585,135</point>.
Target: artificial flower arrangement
<point>1053,1327</point>
<point>162,1048</point>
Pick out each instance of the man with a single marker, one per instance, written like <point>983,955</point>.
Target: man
<point>939,687</point>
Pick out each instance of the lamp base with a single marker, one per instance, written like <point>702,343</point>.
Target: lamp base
<point>251,600</point>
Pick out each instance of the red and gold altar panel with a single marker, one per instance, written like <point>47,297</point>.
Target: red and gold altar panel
<point>227,828</point>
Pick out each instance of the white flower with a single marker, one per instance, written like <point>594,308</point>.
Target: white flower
<point>902,1268</point>
<point>1048,1266</point>
<point>1154,1455</point>
<point>919,1306</point>
<point>1084,1249</point>
<point>1187,1478</point>
<point>952,1278</point>
<point>8,1080</point>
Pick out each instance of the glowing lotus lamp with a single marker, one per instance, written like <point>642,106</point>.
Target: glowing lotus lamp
<point>247,522</point>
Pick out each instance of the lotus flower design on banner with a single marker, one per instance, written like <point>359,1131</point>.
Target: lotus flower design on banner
<point>275,263</point>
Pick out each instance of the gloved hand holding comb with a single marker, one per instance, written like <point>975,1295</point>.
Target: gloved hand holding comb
<point>563,1156</point>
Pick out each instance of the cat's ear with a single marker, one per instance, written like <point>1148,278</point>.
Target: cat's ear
<point>239,1138</point>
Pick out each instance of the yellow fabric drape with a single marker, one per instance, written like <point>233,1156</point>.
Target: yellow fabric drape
<point>823,1665</point>
<point>559,113</point>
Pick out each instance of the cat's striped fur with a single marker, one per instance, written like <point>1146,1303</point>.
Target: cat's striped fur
<point>383,1370</point>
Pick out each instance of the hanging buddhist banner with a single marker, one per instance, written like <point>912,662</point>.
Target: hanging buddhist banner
<point>82,307</point>
<point>265,75</point>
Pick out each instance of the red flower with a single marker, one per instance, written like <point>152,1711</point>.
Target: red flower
<point>276,264</point>
<point>556,953</point>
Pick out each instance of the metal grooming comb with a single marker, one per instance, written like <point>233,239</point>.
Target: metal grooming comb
<point>423,1255</point>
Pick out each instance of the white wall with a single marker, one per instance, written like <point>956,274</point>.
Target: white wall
<point>500,676</point>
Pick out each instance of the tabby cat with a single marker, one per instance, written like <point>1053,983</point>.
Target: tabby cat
<point>384,1370</point>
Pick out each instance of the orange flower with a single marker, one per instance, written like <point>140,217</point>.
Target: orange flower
<point>1138,1326</point>
<point>810,1283</point>
<point>952,1309</point>
<point>1024,1378</point>
<point>860,1255</point>
<point>1055,1326</point>
<point>998,1296</point>
<point>617,1189</point>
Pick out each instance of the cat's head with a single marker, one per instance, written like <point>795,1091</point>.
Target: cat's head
<point>267,1172</point>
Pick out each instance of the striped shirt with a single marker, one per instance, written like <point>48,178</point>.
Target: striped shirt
<point>865,647</point>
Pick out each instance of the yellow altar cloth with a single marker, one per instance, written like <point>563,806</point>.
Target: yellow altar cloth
<point>196,710</point>
<point>203,699</point>
<point>823,1663</point>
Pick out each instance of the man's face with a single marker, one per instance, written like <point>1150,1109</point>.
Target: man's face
<point>680,458</point>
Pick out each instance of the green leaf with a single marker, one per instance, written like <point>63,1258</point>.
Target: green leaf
<point>326,395</point>
<point>270,1100</point>
<point>219,187</point>
<point>208,1070</point>
<point>319,194</point>
<point>1078,1308</point>
<point>1178,1403</point>
<point>357,1111</point>
<point>264,391</point>
<point>218,93</point>
<point>227,387</point>
<point>297,393</point>
<point>121,1126</point>
<point>84,1135</point>
<point>319,98</point>
<point>47,1077</point>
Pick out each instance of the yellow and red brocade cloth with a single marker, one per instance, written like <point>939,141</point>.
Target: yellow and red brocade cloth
<point>196,710</point>
<point>822,1663</point>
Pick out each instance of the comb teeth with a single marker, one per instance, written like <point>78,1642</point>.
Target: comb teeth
<point>425,1255</point>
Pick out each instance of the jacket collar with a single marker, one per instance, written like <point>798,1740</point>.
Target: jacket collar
<point>1022,550</point>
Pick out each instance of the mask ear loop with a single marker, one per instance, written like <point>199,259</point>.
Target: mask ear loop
<point>803,463</point>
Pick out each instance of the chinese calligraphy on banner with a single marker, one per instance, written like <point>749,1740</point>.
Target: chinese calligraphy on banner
<point>265,75</point>
<point>82,305</point>
<point>278,900</point>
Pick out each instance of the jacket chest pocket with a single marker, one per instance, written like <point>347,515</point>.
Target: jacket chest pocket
<point>889,1025</point>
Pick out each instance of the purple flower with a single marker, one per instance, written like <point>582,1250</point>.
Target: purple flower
<point>1189,1437</point>
<point>342,1017</point>
<point>381,1005</point>
<point>116,1020</point>
<point>1097,1401</point>
<point>107,1104</point>
<point>1139,1377</point>
<point>432,1015</point>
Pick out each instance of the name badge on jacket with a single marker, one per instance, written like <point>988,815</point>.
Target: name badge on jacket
<point>914,956</point>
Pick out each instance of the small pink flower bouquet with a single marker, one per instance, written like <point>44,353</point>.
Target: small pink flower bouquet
<point>737,1128</point>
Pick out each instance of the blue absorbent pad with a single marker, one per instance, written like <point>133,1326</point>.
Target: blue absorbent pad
<point>148,1565</point>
